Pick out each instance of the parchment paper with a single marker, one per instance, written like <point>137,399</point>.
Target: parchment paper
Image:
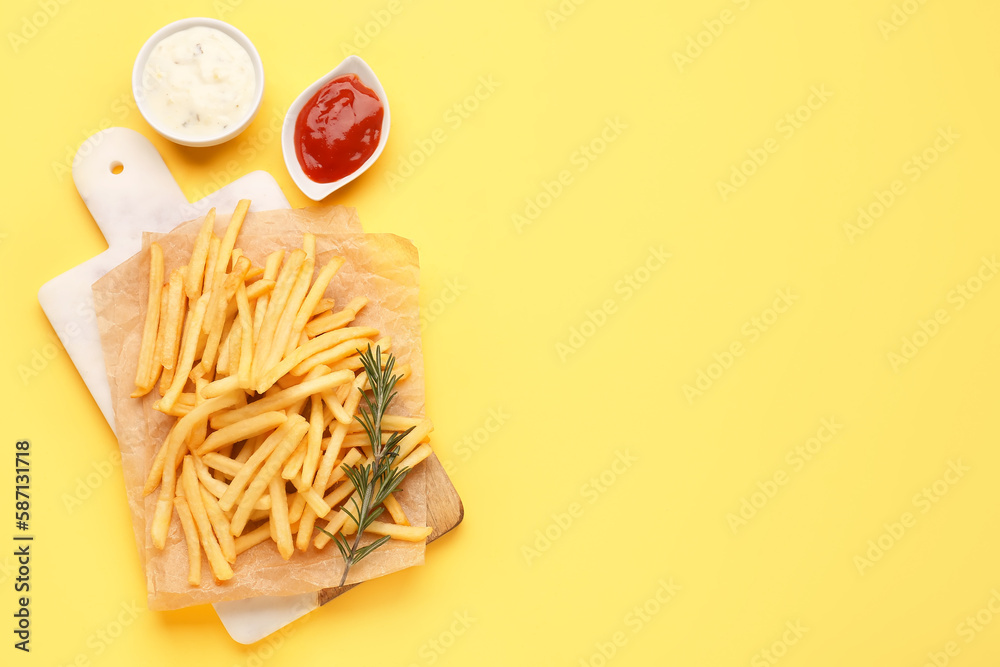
<point>382,267</point>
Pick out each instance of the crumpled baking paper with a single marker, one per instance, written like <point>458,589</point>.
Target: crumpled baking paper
<point>382,267</point>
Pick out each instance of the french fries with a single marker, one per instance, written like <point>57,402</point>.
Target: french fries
<point>264,381</point>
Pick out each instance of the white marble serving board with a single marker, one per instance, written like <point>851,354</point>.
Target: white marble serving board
<point>144,197</point>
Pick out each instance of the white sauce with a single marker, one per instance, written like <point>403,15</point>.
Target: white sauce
<point>199,82</point>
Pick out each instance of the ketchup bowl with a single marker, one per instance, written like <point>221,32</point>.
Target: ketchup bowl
<point>315,189</point>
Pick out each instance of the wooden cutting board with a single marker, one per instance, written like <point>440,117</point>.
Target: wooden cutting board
<point>129,190</point>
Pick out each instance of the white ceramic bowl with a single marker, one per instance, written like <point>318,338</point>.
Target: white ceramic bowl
<point>177,26</point>
<point>312,189</point>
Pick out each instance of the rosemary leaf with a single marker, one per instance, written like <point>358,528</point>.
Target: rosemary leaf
<point>375,481</point>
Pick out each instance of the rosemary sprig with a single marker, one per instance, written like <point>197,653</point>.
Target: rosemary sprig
<point>376,480</point>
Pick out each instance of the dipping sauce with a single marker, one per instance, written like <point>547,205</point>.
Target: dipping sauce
<point>199,82</point>
<point>338,129</point>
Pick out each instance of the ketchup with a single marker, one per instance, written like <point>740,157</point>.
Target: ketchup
<point>338,129</point>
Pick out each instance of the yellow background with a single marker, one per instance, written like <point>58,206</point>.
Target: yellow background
<point>522,293</point>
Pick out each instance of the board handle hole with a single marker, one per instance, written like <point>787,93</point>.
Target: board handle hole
<point>116,167</point>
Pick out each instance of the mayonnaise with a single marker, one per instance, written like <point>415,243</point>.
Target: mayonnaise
<point>198,82</point>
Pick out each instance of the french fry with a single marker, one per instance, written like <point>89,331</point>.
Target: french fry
<point>337,400</point>
<point>191,538</point>
<point>322,306</point>
<point>353,362</point>
<point>199,373</point>
<point>158,346</point>
<point>314,295</point>
<point>196,266</point>
<point>220,567</point>
<point>200,430</point>
<point>259,484</point>
<point>254,274</point>
<point>271,268</point>
<point>389,423</point>
<point>333,527</point>
<point>413,438</point>
<point>213,256</point>
<point>337,406</point>
<point>177,410</point>
<point>229,239</point>
<point>415,457</point>
<point>279,517</point>
<point>361,440</point>
<point>314,440</point>
<point>192,333</point>
<point>342,491</point>
<point>253,538</point>
<point>161,514</point>
<point>315,502</point>
<point>331,321</point>
<point>234,256</point>
<point>248,428</point>
<point>226,451</point>
<point>215,486</point>
<point>230,467</point>
<point>246,333</point>
<point>395,510</point>
<point>225,348</point>
<point>144,373</point>
<point>306,525</point>
<point>259,289</point>
<point>256,515</point>
<point>249,447</point>
<point>174,319</point>
<point>286,381</point>
<point>166,379</point>
<point>220,525</point>
<point>294,463</point>
<point>336,345</point>
<point>236,347</point>
<point>220,387</point>
<point>297,406</point>
<point>325,470</point>
<point>351,459</point>
<point>295,507</point>
<point>397,532</point>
